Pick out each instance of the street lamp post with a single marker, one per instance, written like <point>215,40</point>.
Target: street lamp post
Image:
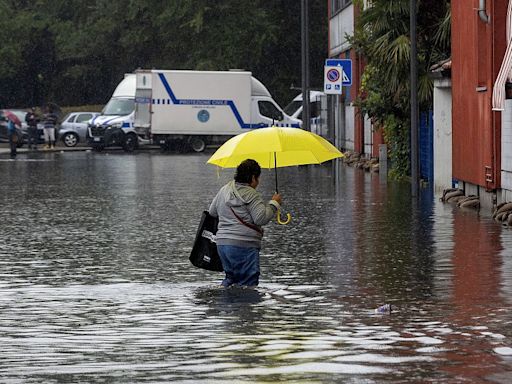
<point>305,65</point>
<point>414,101</point>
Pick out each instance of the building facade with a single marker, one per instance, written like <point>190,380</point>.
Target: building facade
<point>353,131</point>
<point>478,48</point>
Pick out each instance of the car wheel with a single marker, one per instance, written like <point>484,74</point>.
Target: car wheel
<point>198,144</point>
<point>130,142</point>
<point>97,147</point>
<point>70,139</point>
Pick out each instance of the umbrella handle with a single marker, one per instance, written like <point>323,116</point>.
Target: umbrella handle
<point>280,221</point>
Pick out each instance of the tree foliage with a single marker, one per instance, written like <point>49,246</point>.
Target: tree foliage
<point>76,51</point>
<point>382,36</point>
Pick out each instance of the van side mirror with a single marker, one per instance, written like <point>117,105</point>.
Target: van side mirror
<point>280,116</point>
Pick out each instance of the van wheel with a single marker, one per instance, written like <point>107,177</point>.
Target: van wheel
<point>97,147</point>
<point>130,142</point>
<point>198,144</point>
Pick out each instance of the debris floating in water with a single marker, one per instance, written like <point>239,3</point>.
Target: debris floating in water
<point>386,308</point>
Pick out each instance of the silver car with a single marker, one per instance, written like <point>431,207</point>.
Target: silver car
<point>73,128</point>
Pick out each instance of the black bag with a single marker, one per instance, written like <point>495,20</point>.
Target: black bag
<point>204,252</point>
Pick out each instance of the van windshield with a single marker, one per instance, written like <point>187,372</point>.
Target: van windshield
<point>292,107</point>
<point>119,107</point>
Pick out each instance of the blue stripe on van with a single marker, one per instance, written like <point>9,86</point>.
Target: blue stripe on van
<point>229,103</point>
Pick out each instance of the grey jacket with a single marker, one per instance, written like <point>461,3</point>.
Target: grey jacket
<point>248,204</point>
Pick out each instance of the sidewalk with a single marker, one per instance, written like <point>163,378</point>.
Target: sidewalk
<point>4,149</point>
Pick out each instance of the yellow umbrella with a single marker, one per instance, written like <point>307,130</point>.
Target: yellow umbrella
<point>275,147</point>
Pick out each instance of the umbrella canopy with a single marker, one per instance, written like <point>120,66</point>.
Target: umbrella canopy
<point>11,116</point>
<point>275,147</point>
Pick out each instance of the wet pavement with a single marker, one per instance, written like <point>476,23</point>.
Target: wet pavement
<point>96,286</point>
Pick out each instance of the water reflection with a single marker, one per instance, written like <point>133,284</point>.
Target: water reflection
<point>96,285</point>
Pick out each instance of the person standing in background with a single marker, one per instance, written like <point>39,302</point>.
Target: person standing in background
<point>13,137</point>
<point>32,119</point>
<point>49,121</point>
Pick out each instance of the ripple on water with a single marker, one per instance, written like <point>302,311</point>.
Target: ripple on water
<point>318,367</point>
<point>96,285</point>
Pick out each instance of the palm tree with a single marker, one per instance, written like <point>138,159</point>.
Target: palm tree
<point>382,37</point>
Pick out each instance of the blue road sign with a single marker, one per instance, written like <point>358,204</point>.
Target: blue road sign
<point>346,65</point>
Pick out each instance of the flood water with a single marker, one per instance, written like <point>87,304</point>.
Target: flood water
<point>96,286</point>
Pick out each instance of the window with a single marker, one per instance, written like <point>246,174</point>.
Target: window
<point>291,108</point>
<point>71,119</point>
<point>84,117</point>
<point>315,109</point>
<point>338,5</point>
<point>120,107</point>
<point>269,110</point>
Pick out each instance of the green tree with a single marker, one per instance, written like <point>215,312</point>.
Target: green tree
<point>382,37</point>
<point>76,51</point>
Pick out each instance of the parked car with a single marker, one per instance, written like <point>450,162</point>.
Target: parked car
<point>4,138</point>
<point>73,128</point>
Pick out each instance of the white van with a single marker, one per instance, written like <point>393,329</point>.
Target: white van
<point>115,124</point>
<point>192,109</point>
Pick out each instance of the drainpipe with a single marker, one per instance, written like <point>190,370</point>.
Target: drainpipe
<point>481,12</point>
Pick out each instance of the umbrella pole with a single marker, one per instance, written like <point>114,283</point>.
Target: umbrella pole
<point>275,170</point>
<point>288,216</point>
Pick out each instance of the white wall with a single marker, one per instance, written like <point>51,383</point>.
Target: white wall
<point>506,146</point>
<point>349,127</point>
<point>442,134</point>
<point>341,24</point>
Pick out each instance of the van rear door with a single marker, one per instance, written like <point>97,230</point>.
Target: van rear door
<point>143,95</point>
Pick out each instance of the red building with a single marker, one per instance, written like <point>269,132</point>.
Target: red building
<point>479,152</point>
<point>478,48</point>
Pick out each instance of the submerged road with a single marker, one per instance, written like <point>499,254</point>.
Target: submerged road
<point>96,286</point>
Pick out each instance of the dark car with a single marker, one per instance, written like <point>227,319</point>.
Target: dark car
<point>4,137</point>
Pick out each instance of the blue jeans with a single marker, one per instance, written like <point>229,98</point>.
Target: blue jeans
<point>241,264</point>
